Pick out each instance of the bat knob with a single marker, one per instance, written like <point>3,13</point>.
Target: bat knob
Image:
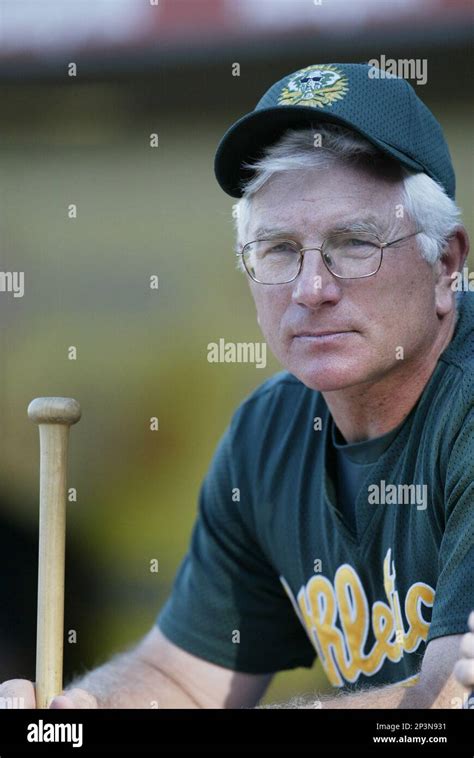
<point>54,410</point>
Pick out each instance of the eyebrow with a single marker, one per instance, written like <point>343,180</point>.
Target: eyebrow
<point>368,224</point>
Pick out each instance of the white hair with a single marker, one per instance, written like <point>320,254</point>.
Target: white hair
<point>424,200</point>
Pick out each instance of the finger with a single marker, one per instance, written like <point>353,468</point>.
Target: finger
<point>470,621</point>
<point>466,648</point>
<point>464,672</point>
<point>17,693</point>
<point>74,698</point>
<point>61,702</point>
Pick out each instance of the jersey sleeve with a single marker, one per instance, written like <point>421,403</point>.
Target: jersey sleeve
<point>227,604</point>
<point>454,596</point>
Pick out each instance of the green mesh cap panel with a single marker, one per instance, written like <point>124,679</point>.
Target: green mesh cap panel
<point>387,111</point>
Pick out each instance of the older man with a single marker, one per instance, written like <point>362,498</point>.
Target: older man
<point>336,518</point>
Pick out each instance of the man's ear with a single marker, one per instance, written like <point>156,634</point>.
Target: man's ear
<point>445,270</point>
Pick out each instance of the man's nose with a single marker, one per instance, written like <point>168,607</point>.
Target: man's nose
<point>315,283</point>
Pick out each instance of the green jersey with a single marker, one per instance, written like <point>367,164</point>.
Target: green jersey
<point>296,553</point>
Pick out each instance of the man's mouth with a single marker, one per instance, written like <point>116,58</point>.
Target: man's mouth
<point>320,337</point>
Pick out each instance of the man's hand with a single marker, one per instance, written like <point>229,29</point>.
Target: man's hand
<point>464,667</point>
<point>20,693</point>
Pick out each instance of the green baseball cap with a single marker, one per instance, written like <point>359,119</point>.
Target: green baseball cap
<point>381,107</point>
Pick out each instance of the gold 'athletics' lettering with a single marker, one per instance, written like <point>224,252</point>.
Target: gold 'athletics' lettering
<point>341,649</point>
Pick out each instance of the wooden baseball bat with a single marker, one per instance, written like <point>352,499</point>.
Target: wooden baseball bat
<point>54,415</point>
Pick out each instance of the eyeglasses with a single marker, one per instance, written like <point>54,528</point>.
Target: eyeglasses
<point>347,255</point>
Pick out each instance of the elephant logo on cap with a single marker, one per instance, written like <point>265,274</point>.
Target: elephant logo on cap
<point>315,86</point>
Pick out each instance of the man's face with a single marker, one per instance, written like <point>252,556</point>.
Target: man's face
<point>375,316</point>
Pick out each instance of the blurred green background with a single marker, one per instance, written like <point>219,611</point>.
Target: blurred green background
<point>140,353</point>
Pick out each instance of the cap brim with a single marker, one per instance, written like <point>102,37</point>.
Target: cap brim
<point>247,139</point>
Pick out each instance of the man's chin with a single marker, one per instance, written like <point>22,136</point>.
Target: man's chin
<point>329,379</point>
